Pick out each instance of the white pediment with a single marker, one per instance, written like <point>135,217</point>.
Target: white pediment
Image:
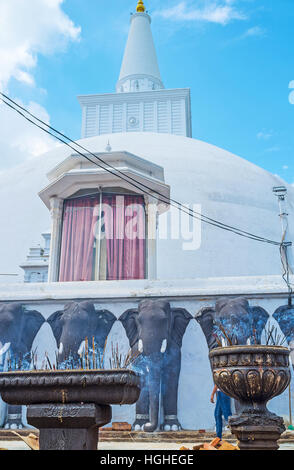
<point>111,169</point>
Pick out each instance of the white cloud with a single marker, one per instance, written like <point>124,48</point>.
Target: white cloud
<point>28,28</point>
<point>291,95</point>
<point>285,167</point>
<point>265,135</point>
<point>20,140</point>
<point>255,31</point>
<point>213,11</point>
<point>273,149</point>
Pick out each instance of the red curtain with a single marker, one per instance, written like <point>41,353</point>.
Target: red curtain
<point>123,221</point>
<point>125,236</point>
<point>78,235</point>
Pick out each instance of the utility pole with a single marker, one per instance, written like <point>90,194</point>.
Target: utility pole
<point>281,193</point>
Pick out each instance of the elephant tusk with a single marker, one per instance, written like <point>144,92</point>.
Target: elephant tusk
<point>163,346</point>
<point>140,346</point>
<point>81,348</point>
<point>60,350</point>
<point>4,348</point>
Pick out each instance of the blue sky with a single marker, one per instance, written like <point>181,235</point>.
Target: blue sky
<point>235,55</point>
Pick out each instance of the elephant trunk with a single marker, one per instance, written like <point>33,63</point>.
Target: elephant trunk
<point>71,348</point>
<point>154,394</point>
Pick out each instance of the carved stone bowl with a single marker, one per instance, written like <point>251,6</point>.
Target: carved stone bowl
<point>251,374</point>
<point>103,387</point>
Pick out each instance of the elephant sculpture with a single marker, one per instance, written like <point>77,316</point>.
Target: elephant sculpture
<point>18,329</point>
<point>76,322</point>
<point>156,330</point>
<point>242,322</point>
<point>285,317</point>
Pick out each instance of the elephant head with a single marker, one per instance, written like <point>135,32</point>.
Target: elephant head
<point>285,317</point>
<point>242,322</point>
<point>156,330</point>
<point>76,322</point>
<point>233,315</point>
<point>18,329</point>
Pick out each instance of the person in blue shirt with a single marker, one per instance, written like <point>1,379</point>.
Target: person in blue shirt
<point>222,409</point>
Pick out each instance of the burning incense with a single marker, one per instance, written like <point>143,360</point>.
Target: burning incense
<point>93,353</point>
<point>86,353</point>
<point>48,360</point>
<point>225,334</point>
<point>102,363</point>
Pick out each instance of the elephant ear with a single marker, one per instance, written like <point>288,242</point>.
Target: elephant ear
<point>205,318</point>
<point>259,318</point>
<point>55,321</point>
<point>179,323</point>
<point>33,322</point>
<point>129,321</point>
<point>107,319</point>
<point>285,317</point>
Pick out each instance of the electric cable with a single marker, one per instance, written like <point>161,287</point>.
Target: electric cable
<point>167,200</point>
<point>129,179</point>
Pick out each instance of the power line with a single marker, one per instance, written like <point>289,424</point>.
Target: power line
<point>166,199</point>
<point>129,179</point>
<point>170,201</point>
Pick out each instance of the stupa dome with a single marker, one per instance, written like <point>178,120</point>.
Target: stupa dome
<point>226,188</point>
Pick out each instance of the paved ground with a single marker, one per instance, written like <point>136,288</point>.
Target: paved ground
<point>18,445</point>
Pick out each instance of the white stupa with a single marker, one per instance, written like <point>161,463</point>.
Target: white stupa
<point>153,124</point>
<point>144,131</point>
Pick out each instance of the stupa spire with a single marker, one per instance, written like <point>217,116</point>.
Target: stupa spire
<point>139,70</point>
<point>140,7</point>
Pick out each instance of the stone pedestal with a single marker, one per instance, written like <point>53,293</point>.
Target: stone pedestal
<point>256,431</point>
<point>68,426</point>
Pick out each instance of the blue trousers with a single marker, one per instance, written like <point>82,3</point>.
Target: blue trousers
<point>222,409</point>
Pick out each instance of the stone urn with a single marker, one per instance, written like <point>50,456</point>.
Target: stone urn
<point>68,407</point>
<point>253,375</point>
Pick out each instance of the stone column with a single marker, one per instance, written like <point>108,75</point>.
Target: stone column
<point>69,426</point>
<point>56,207</point>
